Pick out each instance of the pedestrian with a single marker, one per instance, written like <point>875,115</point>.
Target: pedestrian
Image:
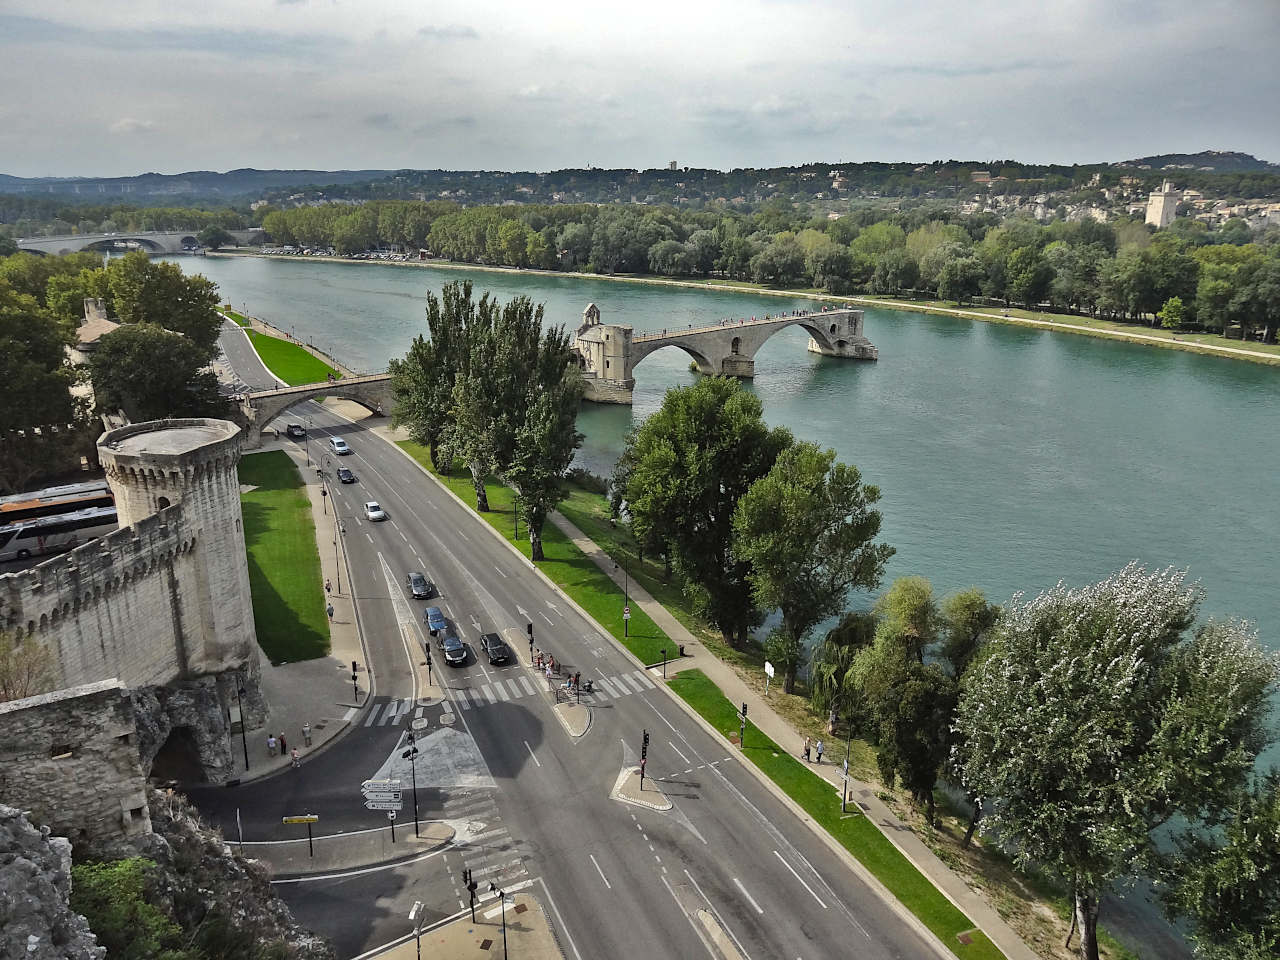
<point>306,733</point>
<point>271,745</point>
<point>327,585</point>
<point>818,749</point>
<point>329,611</point>
<point>537,657</point>
<point>294,755</point>
<point>808,745</point>
<point>283,746</point>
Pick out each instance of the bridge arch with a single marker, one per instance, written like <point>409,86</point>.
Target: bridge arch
<point>259,409</point>
<point>705,364</point>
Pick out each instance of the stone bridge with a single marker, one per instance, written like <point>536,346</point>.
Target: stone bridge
<point>609,353</point>
<point>259,409</point>
<point>152,241</point>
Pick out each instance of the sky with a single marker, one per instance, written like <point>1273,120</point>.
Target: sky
<point>116,89</point>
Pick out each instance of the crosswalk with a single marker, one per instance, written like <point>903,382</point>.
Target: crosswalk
<point>388,711</point>
<point>604,689</point>
<point>485,844</point>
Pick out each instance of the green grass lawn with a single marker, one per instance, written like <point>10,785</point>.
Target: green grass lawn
<point>567,566</point>
<point>284,565</point>
<point>239,318</point>
<point>859,836</point>
<point>289,361</point>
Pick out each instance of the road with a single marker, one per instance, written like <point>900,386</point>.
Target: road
<point>531,801</point>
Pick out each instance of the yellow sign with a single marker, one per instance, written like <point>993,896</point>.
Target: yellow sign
<point>308,818</point>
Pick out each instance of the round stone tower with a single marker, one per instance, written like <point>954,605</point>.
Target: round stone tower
<point>183,473</point>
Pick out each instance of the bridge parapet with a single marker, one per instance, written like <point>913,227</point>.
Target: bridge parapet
<point>258,409</point>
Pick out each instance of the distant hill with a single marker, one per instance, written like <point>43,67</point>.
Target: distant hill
<point>232,185</point>
<point>1219,161</point>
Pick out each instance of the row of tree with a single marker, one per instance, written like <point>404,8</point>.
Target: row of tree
<point>495,390</point>
<point>33,216</point>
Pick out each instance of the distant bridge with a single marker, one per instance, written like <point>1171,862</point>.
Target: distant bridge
<point>609,353</point>
<point>153,241</point>
<point>261,407</point>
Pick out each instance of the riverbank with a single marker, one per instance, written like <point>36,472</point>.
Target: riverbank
<point>1081,326</point>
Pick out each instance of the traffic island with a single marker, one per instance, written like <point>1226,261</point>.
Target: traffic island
<point>574,717</point>
<point>629,789</point>
<point>346,851</point>
<point>528,935</point>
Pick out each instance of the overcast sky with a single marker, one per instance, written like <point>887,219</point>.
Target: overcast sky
<point>111,89</point>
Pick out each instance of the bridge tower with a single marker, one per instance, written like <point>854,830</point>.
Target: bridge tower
<point>604,356</point>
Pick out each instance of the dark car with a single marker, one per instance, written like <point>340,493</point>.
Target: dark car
<point>418,585</point>
<point>345,475</point>
<point>434,618</point>
<point>296,430</point>
<point>495,649</point>
<point>455,651</point>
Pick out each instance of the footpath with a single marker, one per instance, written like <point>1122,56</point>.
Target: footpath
<point>763,716</point>
<point>526,933</point>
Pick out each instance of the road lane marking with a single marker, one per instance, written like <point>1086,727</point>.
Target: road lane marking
<point>500,690</point>
<point>682,756</point>
<point>801,879</point>
<point>631,682</point>
<point>464,536</point>
<point>608,885</point>
<point>499,569</point>
<point>546,618</point>
<point>373,714</point>
<point>528,687</point>
<point>532,754</point>
<point>489,693</point>
<point>367,534</point>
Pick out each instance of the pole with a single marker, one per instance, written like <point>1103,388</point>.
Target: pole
<point>504,924</point>
<point>311,850</point>
<point>244,736</point>
<point>240,831</point>
<point>391,815</point>
<point>412,756</point>
<point>664,663</point>
<point>342,547</point>
<point>354,683</point>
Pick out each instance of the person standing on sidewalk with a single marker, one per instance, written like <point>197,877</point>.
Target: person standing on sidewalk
<point>327,585</point>
<point>818,748</point>
<point>283,748</point>
<point>329,611</point>
<point>271,745</point>
<point>808,745</point>
<point>294,756</point>
<point>306,733</point>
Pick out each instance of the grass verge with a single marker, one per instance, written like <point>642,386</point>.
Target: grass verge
<point>239,318</point>
<point>567,566</point>
<point>284,566</point>
<point>858,835</point>
<point>289,361</point>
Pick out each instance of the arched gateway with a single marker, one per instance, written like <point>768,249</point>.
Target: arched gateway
<point>609,353</point>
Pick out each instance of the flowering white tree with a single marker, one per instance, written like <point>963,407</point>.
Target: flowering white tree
<point>1096,715</point>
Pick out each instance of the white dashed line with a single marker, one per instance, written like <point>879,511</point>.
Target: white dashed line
<point>750,900</point>
<point>607,884</point>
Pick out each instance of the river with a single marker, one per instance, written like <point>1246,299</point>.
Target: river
<point>1007,457</point>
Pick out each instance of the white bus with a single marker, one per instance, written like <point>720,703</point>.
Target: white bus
<point>44,535</point>
<point>68,498</point>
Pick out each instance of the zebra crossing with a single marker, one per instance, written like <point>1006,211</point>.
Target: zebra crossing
<point>388,711</point>
<point>486,846</point>
<point>604,689</point>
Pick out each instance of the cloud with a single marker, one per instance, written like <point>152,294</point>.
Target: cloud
<point>129,125</point>
<point>381,121</point>
<point>451,31</point>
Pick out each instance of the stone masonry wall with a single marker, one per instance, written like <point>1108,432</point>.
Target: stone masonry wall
<point>71,759</point>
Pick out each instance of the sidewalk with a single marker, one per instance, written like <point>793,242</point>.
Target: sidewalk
<point>528,933</point>
<point>976,907</point>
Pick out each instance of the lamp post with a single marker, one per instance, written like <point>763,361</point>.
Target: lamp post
<point>416,916</point>
<point>502,896</point>
<point>626,597</point>
<point>306,443</point>
<point>244,734</point>
<point>412,756</point>
<point>515,515</point>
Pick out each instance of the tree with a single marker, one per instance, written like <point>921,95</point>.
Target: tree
<point>156,292</point>
<point>1029,276</point>
<point>670,257</point>
<point>1171,314</point>
<point>908,608</point>
<point>1094,717</point>
<point>807,529</point>
<point>544,448</point>
<point>113,898</point>
<point>682,474</point>
<point>35,378</point>
<point>780,264</point>
<point>895,271</point>
<point>833,684</point>
<point>960,279</point>
<point>26,668</point>
<point>967,618</point>
<point>214,237</point>
<point>1228,883</point>
<point>153,373</point>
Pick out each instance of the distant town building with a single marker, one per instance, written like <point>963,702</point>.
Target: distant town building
<point>1163,205</point>
<point>671,165</point>
<point>980,176</point>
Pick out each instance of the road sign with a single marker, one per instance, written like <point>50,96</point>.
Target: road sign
<point>392,785</point>
<point>846,766</point>
<point>391,795</point>
<point>768,668</point>
<point>308,818</point>
<point>391,814</point>
<point>382,805</point>
<point>626,613</point>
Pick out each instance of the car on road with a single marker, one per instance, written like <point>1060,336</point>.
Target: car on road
<point>495,649</point>
<point>345,475</point>
<point>296,430</point>
<point>433,617</point>
<point>455,651</point>
<point>339,446</point>
<point>373,511</point>
<point>419,586</point>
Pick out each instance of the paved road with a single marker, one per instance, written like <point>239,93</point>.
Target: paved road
<point>533,801</point>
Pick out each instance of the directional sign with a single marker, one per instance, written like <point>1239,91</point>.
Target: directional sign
<point>380,785</point>
<point>382,804</point>
<point>308,818</point>
<point>391,795</point>
<point>768,668</point>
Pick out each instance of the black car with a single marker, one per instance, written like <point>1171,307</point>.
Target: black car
<point>345,475</point>
<point>296,430</point>
<point>494,647</point>
<point>455,651</point>
<point>419,586</point>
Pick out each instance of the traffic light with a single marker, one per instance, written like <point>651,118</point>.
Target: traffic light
<point>744,709</point>
<point>471,885</point>
<point>529,628</point>
<point>644,746</point>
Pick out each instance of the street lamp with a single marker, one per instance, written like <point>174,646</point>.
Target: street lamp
<point>412,756</point>
<point>244,735</point>
<point>626,596</point>
<point>416,916</point>
<point>515,515</point>
<point>503,897</point>
<point>306,443</point>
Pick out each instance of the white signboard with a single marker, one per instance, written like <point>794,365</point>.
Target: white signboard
<point>382,804</point>
<point>768,669</point>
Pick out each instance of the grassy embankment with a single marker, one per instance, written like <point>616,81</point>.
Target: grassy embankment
<point>284,566</point>
<point>855,832</point>
<point>238,318</point>
<point>566,565</point>
<point>289,361</point>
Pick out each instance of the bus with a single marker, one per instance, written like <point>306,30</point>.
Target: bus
<point>54,534</point>
<point>52,501</point>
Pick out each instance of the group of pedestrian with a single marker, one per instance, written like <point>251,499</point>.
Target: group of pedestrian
<point>541,660</point>
<point>278,746</point>
<point>810,746</point>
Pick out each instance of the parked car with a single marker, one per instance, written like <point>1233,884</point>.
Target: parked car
<point>373,511</point>
<point>494,647</point>
<point>295,430</point>
<point>455,651</point>
<point>434,618</point>
<point>339,446</point>
<point>419,586</point>
<point>345,475</point>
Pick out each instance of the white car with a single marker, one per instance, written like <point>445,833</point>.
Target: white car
<point>339,446</point>
<point>373,511</point>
